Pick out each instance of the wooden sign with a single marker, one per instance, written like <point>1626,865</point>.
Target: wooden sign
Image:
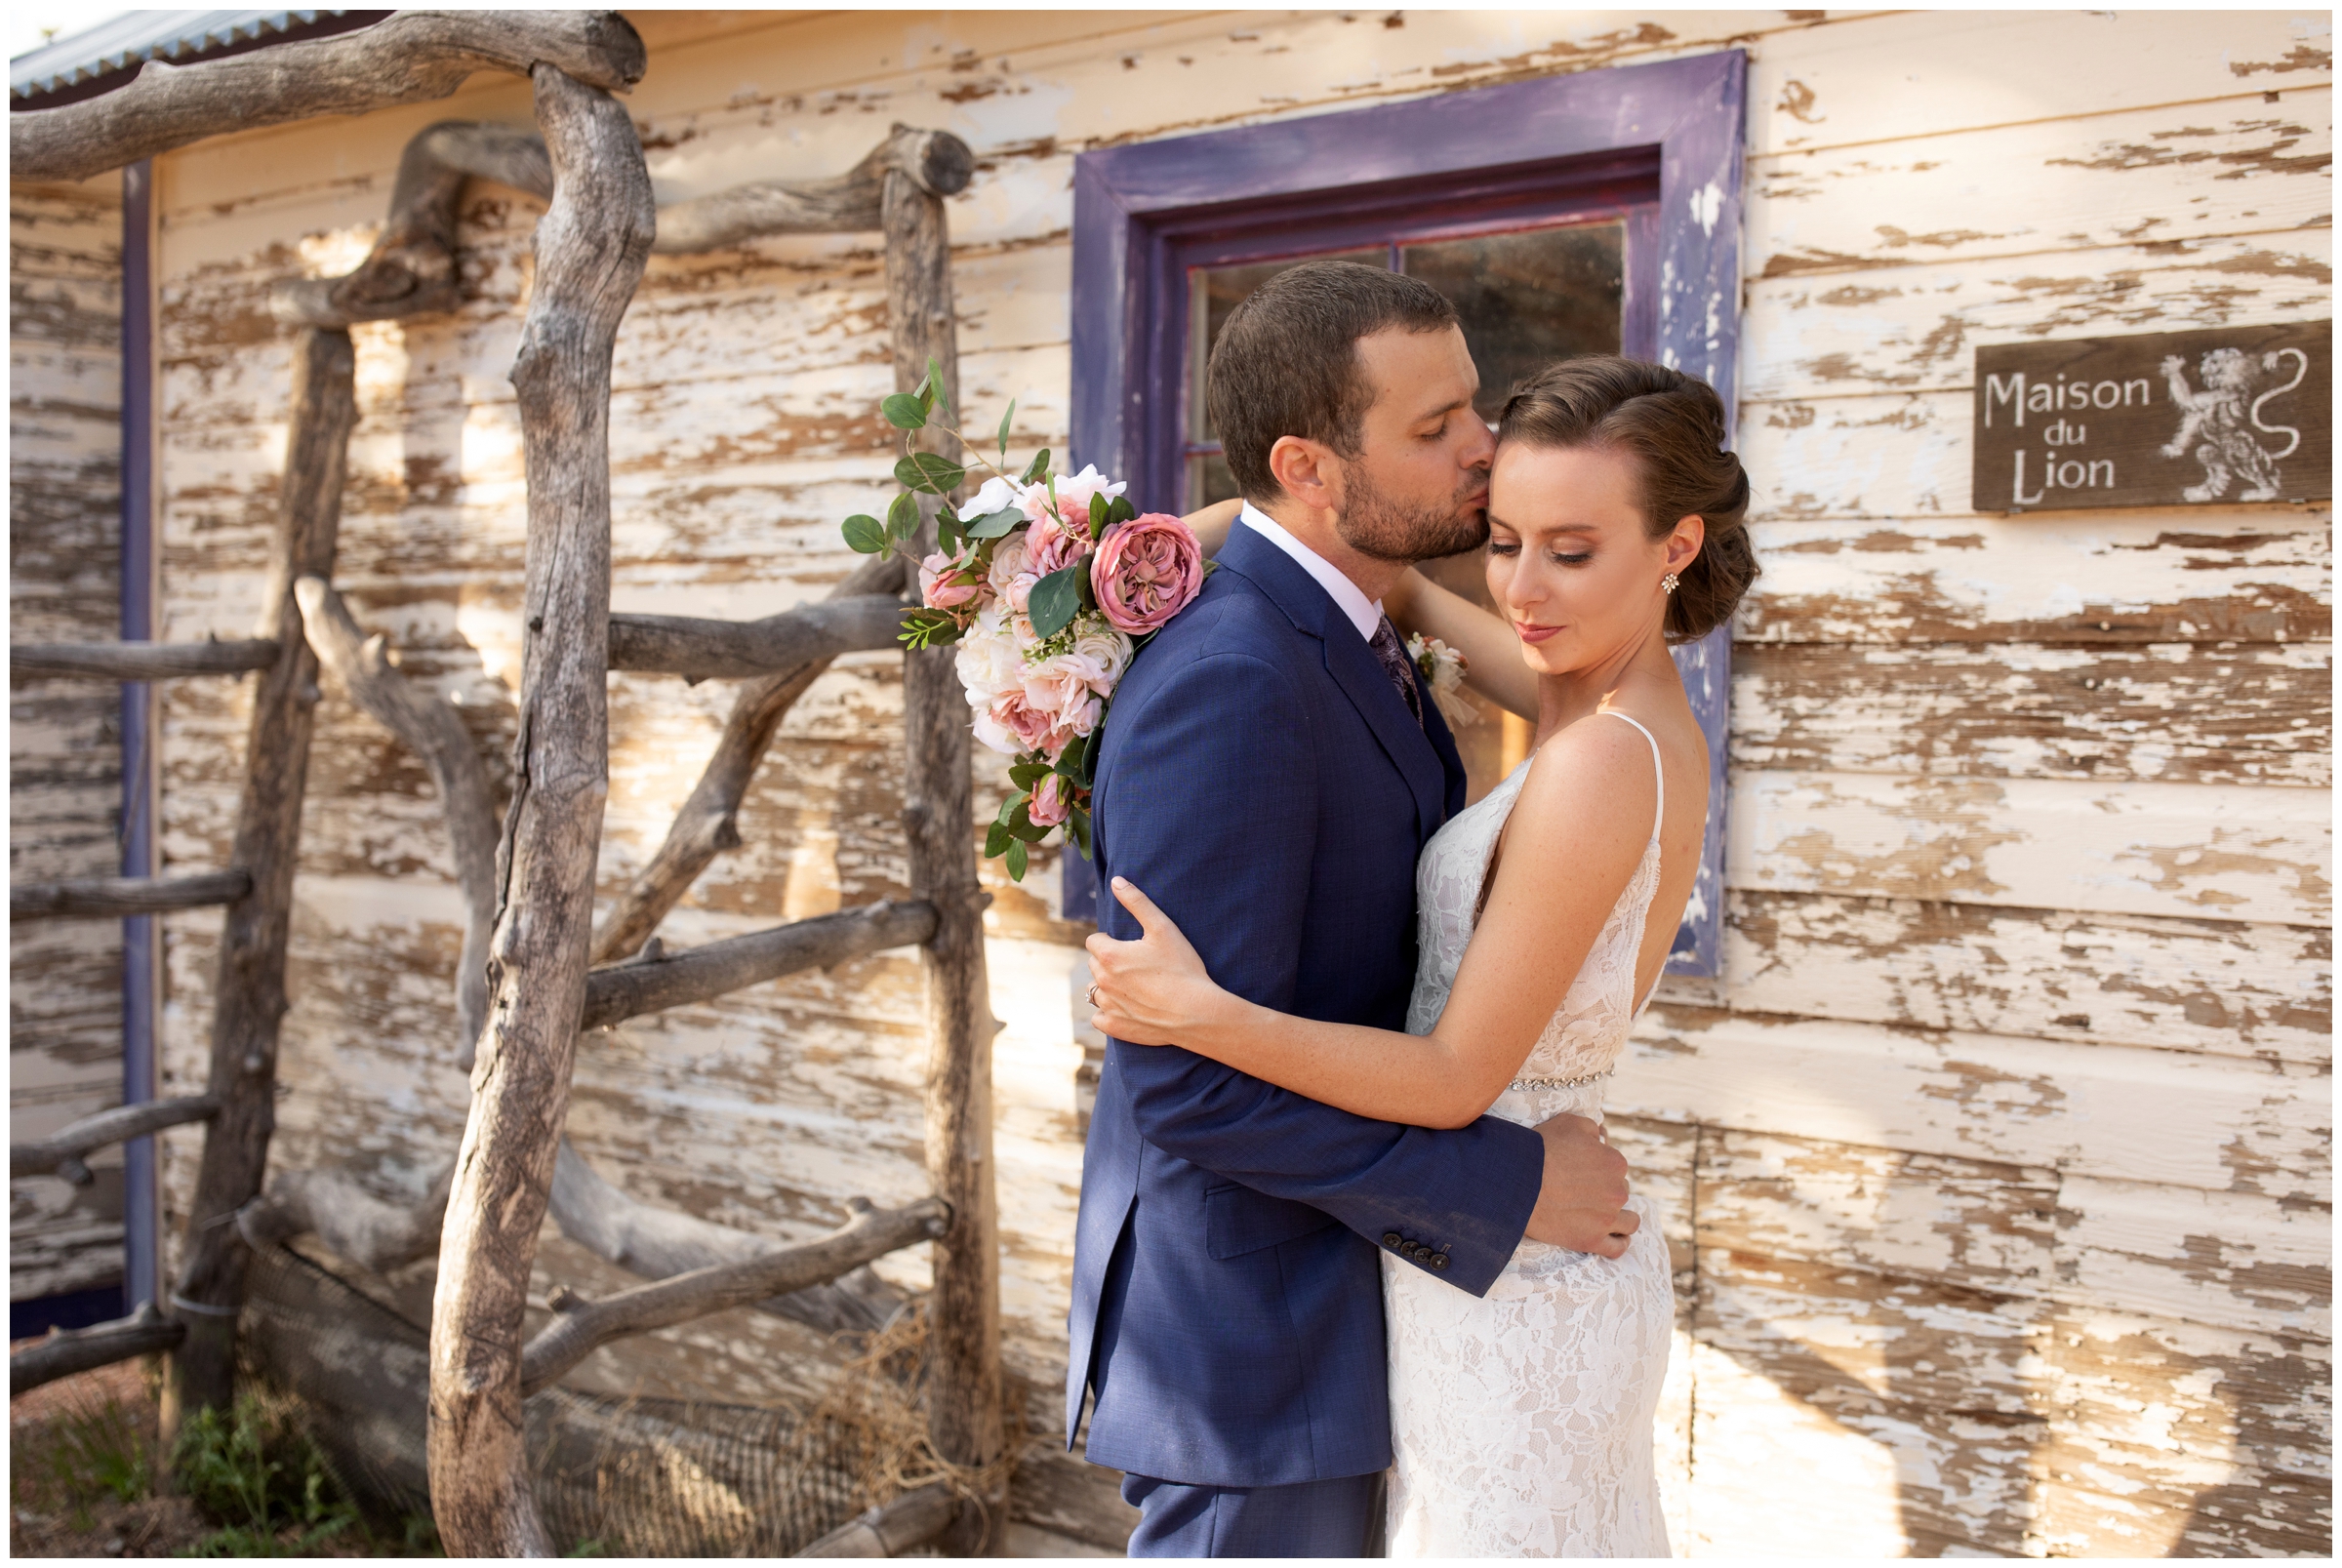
<point>2172,418</point>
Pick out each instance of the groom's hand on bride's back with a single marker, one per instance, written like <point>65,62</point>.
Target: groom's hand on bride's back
<point>1582,1201</point>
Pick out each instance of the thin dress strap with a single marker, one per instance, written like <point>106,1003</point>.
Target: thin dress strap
<point>1659,816</point>
<point>1658,819</point>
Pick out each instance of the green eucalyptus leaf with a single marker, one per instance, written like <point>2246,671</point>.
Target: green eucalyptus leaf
<point>864,534</point>
<point>904,410</point>
<point>1121,511</point>
<point>947,537</point>
<point>1018,860</point>
<point>1004,418</point>
<point>929,472</point>
<point>1056,599</point>
<point>1038,467</point>
<point>1078,828</point>
<point>994,525</point>
<point>903,518</point>
<point>1025,775</point>
<point>935,386</point>
<point>1098,515</point>
<point>996,841</point>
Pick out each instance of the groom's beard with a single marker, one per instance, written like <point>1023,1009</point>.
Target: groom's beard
<point>1376,525</point>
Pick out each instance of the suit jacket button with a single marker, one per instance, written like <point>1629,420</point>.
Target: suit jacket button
<point>1391,1238</point>
<point>1439,1259</point>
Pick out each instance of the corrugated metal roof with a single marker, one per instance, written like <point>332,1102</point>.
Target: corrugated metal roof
<point>125,42</point>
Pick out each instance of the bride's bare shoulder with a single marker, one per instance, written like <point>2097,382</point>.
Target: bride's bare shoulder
<point>1589,784</point>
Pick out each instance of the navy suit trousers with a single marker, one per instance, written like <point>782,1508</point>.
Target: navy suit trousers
<point>1341,1518</point>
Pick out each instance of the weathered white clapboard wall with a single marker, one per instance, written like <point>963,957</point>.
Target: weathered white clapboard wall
<point>64,753</point>
<point>1995,1161</point>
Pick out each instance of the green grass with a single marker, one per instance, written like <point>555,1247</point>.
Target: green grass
<point>253,1472</point>
<point>94,1452</point>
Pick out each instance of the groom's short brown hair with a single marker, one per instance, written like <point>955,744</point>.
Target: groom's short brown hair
<point>1287,360</point>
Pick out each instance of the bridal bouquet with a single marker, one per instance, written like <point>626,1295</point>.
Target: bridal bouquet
<point>1048,584</point>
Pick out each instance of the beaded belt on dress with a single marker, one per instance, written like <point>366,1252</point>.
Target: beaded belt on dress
<point>1561,1083</point>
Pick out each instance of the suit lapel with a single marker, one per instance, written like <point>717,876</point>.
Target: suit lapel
<point>1351,664</point>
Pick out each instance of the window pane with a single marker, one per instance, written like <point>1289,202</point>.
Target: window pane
<point>1215,291</point>
<point>1529,298</point>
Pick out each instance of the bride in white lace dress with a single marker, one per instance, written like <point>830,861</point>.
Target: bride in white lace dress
<point>1521,1420</point>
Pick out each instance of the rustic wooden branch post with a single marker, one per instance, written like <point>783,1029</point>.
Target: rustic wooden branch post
<point>939,814</point>
<point>591,249</point>
<point>249,999</point>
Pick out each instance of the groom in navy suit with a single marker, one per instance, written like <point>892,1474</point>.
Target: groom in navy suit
<point>1272,767</point>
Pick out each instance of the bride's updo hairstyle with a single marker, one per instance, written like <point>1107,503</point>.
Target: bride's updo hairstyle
<point>1672,426</point>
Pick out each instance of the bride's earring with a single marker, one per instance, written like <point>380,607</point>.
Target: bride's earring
<point>1668,584</point>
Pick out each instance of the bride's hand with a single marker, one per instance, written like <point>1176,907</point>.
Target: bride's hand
<point>1154,991</point>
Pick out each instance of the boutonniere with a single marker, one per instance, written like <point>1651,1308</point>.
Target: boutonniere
<point>1443,670</point>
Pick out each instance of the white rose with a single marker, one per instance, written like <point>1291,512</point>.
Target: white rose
<point>997,493</point>
<point>1077,489</point>
<point>988,659</point>
<point>1105,647</point>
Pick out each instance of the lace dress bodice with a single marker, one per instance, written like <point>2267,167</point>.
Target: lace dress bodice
<point>1521,1421</point>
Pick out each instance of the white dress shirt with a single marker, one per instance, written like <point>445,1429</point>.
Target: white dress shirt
<point>1364,614</point>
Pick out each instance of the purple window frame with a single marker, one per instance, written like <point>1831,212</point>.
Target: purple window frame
<point>1144,213</point>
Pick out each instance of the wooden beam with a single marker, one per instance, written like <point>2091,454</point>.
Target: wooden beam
<point>891,1529</point>
<point>580,1328</point>
<point>707,824</point>
<point>411,56</point>
<point>248,999</point>
<point>735,650</point>
<point>110,898</point>
<point>964,1388</point>
<point>61,1152</point>
<point>137,660</point>
<point>935,162</point>
<point>361,665</point>
<point>85,1350</point>
<point>659,1243</point>
<point>410,269</point>
<point>591,249</point>
<point>701,974</point>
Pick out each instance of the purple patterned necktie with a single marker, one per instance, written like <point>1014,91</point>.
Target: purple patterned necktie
<point>1395,665</point>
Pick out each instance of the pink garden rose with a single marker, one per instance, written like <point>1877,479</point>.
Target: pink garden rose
<point>1054,543</point>
<point>1032,728</point>
<point>1147,571</point>
<point>1051,803</point>
<point>942,586</point>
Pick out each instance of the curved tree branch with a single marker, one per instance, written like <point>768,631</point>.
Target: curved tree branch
<point>708,821</point>
<point>137,660</point>
<point>110,898</point>
<point>60,1153</point>
<point>700,649</point>
<point>651,985</point>
<point>430,729</point>
<point>356,1224</point>
<point>410,57</point>
<point>937,161</point>
<point>65,1353</point>
<point>583,1328</point>
<point>411,267</point>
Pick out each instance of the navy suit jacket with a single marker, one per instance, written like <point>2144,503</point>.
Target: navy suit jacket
<point>1262,780</point>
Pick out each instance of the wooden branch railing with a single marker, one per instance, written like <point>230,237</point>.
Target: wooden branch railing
<point>893,1528</point>
<point>411,56</point>
<point>248,996</point>
<point>335,1207</point>
<point>707,824</point>
<point>580,1327</point>
<point>591,249</point>
<point>110,898</point>
<point>85,1350</point>
<point>733,650</point>
<point>701,974</point>
<point>361,665</point>
<point>936,162</point>
<point>411,268</point>
<point>659,1243</point>
<point>137,660</point>
<point>60,1153</point>
<point>965,1382</point>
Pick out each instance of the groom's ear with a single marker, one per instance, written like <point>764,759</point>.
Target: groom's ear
<point>1304,471</point>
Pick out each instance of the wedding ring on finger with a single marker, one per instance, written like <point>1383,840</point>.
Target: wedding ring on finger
<point>1093,996</point>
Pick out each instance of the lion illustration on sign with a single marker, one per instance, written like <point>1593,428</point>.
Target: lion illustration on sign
<point>2219,423</point>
